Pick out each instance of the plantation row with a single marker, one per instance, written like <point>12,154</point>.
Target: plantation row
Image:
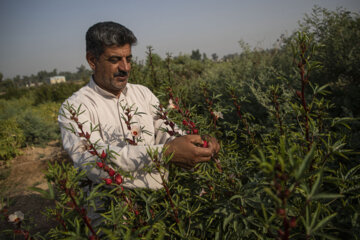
<point>287,121</point>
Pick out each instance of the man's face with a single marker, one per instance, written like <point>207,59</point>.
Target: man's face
<point>112,68</point>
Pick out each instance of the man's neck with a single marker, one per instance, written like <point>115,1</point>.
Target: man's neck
<point>116,93</point>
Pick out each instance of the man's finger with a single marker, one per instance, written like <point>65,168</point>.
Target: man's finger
<point>195,139</point>
<point>214,145</point>
<point>202,159</point>
<point>203,152</point>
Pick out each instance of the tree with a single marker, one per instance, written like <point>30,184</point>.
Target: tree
<point>204,57</point>
<point>214,57</point>
<point>195,55</point>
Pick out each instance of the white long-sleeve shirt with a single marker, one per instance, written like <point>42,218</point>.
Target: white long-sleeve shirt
<point>104,109</point>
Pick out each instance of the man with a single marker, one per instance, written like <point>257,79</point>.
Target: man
<point>106,102</point>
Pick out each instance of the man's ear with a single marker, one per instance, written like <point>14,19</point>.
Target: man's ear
<point>91,59</point>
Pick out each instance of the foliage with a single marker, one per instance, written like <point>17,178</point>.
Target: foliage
<point>36,125</point>
<point>11,138</point>
<point>288,167</point>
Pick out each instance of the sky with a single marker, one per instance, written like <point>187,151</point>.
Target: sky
<point>41,35</point>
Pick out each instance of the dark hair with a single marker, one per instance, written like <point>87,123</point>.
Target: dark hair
<point>104,34</point>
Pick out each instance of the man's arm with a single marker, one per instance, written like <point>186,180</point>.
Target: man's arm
<point>186,150</point>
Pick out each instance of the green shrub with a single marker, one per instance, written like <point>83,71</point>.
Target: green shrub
<point>38,124</point>
<point>11,138</point>
<point>36,128</point>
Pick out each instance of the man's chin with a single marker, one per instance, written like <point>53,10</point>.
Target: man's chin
<point>121,79</point>
<point>120,84</point>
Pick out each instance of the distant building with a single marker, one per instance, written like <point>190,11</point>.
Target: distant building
<point>30,84</point>
<point>57,79</point>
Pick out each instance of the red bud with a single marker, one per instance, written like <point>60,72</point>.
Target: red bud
<point>92,152</point>
<point>281,212</point>
<point>292,222</point>
<point>108,181</point>
<point>100,164</point>
<point>103,155</point>
<point>195,131</point>
<point>184,122</point>
<point>111,172</point>
<point>87,135</point>
<point>118,179</point>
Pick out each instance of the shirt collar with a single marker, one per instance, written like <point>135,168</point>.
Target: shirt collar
<point>102,92</point>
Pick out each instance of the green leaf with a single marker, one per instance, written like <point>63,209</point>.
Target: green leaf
<point>304,164</point>
<point>268,191</point>
<point>45,194</point>
<point>323,222</point>
<point>326,196</point>
<point>316,185</point>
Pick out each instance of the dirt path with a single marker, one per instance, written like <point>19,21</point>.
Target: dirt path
<point>28,170</point>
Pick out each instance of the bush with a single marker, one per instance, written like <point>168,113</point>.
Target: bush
<point>11,138</point>
<point>38,124</point>
<point>37,130</point>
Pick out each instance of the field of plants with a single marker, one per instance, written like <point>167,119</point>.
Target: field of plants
<point>287,119</point>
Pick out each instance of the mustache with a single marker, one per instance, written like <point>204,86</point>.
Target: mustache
<point>121,74</point>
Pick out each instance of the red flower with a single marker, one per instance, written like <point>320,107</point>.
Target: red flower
<point>192,124</point>
<point>195,131</point>
<point>118,179</point>
<point>108,181</point>
<point>100,164</point>
<point>111,172</point>
<point>103,155</point>
<point>205,144</point>
<point>184,122</point>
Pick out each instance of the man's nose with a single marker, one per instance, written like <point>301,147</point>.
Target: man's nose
<point>124,65</point>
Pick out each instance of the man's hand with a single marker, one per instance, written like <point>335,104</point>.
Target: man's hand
<point>188,150</point>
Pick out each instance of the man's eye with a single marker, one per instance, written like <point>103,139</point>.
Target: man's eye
<point>128,59</point>
<point>113,60</point>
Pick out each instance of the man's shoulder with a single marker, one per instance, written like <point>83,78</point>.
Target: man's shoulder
<point>140,90</point>
<point>138,87</point>
<point>80,96</point>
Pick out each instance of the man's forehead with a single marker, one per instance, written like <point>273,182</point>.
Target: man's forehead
<point>118,50</point>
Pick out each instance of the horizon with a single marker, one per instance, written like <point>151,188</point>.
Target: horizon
<point>42,36</point>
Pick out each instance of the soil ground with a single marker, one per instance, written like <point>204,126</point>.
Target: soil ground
<point>22,172</point>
